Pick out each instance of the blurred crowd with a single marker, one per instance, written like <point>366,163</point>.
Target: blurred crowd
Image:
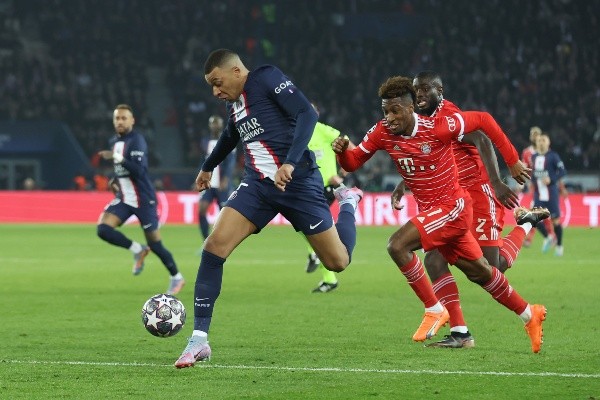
<point>526,62</point>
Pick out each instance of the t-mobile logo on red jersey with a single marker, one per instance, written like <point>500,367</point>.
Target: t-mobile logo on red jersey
<point>408,166</point>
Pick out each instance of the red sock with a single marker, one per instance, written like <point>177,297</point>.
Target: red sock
<point>504,294</point>
<point>446,290</point>
<point>415,275</point>
<point>511,245</point>
<point>549,226</point>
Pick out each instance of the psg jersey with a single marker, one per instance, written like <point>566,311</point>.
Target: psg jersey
<point>135,185</point>
<point>261,118</point>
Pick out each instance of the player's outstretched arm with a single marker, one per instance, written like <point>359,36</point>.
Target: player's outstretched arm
<point>486,150</point>
<point>479,120</point>
<point>350,160</point>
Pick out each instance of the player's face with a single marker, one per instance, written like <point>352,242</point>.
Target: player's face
<point>429,94</point>
<point>543,144</point>
<point>534,134</point>
<point>226,82</point>
<point>123,121</point>
<point>398,113</point>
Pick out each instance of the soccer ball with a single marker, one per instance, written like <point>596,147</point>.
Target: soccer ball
<point>163,315</point>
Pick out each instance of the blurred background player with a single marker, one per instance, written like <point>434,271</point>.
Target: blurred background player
<point>221,181</point>
<point>548,171</point>
<point>320,144</point>
<point>135,195</point>
<point>526,157</point>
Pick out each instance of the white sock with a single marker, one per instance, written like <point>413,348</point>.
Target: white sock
<point>350,200</point>
<point>526,227</point>
<point>202,334</point>
<point>459,329</point>
<point>526,315</point>
<point>177,276</point>
<point>436,308</point>
<point>135,247</point>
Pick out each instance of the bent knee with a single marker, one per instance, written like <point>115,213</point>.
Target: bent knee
<point>396,247</point>
<point>103,231</point>
<point>337,264</point>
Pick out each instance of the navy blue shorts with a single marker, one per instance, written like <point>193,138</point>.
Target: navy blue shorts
<point>552,206</point>
<point>147,214</point>
<point>302,203</point>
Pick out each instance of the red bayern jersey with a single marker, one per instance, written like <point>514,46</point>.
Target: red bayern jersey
<point>424,158</point>
<point>527,156</point>
<point>471,170</point>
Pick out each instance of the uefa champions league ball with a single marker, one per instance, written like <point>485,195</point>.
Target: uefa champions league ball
<point>163,315</point>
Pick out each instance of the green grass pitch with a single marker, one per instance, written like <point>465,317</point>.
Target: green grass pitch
<point>71,329</point>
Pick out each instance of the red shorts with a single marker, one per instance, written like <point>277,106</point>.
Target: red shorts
<point>446,228</point>
<point>488,215</point>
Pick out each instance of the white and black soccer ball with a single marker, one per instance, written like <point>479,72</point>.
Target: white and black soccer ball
<point>163,315</point>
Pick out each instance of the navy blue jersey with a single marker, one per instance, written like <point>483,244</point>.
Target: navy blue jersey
<point>547,165</point>
<point>132,173</point>
<point>274,121</point>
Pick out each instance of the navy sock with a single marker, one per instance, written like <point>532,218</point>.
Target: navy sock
<point>113,236</point>
<point>542,228</point>
<point>558,231</point>
<point>346,227</point>
<point>203,225</point>
<point>207,290</point>
<point>165,256</point>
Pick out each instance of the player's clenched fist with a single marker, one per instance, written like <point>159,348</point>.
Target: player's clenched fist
<point>340,144</point>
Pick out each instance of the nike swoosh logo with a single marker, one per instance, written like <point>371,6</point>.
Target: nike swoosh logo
<point>199,299</point>
<point>147,226</point>
<point>311,226</point>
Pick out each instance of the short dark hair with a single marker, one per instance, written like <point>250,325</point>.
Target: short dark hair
<point>397,86</point>
<point>124,107</point>
<point>217,58</point>
<point>430,75</point>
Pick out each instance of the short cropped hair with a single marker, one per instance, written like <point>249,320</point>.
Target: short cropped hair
<point>218,58</point>
<point>124,107</point>
<point>430,75</point>
<point>397,86</point>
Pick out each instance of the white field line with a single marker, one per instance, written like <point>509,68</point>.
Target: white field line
<point>307,369</point>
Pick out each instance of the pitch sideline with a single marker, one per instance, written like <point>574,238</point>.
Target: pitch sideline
<point>324,369</point>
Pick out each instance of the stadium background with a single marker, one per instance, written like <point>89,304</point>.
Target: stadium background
<point>64,65</point>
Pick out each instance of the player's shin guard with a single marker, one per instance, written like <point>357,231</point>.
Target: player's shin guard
<point>511,245</point>
<point>504,294</point>
<point>207,290</point>
<point>446,291</point>
<point>415,275</point>
<point>346,227</point>
<point>165,256</point>
<point>112,236</point>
